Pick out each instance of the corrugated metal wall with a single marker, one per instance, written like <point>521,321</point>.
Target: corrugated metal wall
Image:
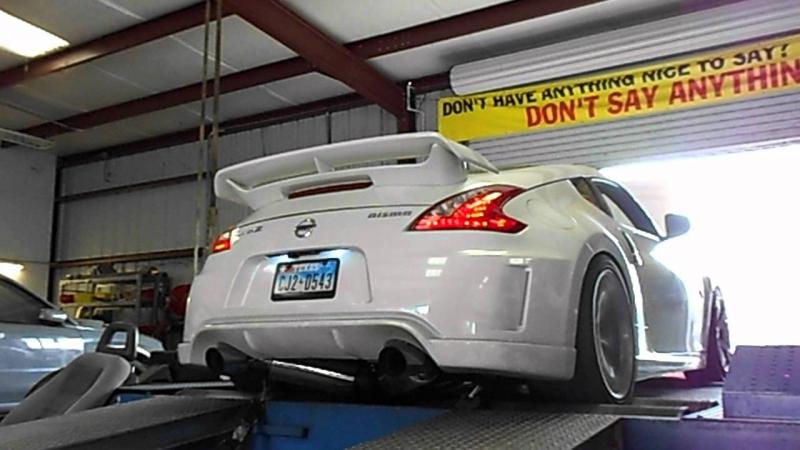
<point>27,179</point>
<point>140,221</point>
<point>711,129</point>
<point>736,125</point>
<point>163,218</point>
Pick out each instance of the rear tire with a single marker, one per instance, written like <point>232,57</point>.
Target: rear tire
<point>718,346</point>
<point>605,370</point>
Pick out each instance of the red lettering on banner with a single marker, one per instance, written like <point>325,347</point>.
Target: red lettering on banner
<point>551,113</point>
<point>567,110</point>
<point>650,96</point>
<point>615,103</point>
<point>751,79</point>
<point>677,93</point>
<point>773,74</point>
<point>633,100</point>
<point>591,102</point>
<point>737,80</point>
<point>532,112</point>
<point>717,83</point>
<point>759,78</point>
<point>697,88</point>
<point>788,71</point>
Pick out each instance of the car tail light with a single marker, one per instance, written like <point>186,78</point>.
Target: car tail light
<point>224,241</point>
<point>477,209</point>
<point>66,298</point>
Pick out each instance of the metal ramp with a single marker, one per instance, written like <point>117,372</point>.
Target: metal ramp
<point>764,383</point>
<point>761,409</point>
<point>482,429</point>
<point>532,425</point>
<point>205,418</point>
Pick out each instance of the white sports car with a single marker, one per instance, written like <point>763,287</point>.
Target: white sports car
<point>414,255</point>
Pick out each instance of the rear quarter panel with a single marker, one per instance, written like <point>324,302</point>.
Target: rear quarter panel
<point>563,225</point>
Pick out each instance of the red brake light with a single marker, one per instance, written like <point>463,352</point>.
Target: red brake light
<point>222,243</point>
<point>66,298</point>
<point>477,209</point>
<point>328,189</point>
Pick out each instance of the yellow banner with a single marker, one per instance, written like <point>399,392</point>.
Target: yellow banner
<point>728,74</point>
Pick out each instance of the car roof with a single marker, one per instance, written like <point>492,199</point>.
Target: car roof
<point>557,171</point>
<point>18,285</point>
<point>540,174</point>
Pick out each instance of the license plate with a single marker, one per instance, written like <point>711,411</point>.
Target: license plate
<point>306,280</point>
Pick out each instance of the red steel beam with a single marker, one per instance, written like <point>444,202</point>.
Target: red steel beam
<point>324,53</point>
<point>424,34</point>
<point>131,257</point>
<point>463,24</point>
<point>347,101</point>
<point>156,102</point>
<point>128,188</point>
<point>151,30</point>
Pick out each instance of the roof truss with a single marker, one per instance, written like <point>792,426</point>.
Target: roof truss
<point>317,51</point>
<point>138,34</point>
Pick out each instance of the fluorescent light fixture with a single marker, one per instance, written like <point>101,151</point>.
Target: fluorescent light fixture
<point>437,260</point>
<point>479,252</point>
<point>25,39</point>
<point>433,273</point>
<point>11,270</point>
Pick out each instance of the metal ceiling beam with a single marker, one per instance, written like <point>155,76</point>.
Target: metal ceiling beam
<point>417,36</point>
<point>325,54</point>
<point>72,56</point>
<point>463,24</point>
<point>131,257</point>
<point>342,102</point>
<point>167,99</point>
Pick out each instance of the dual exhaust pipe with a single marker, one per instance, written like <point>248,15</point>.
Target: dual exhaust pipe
<point>401,367</point>
<point>228,360</point>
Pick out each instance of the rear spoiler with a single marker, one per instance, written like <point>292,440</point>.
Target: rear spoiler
<point>264,180</point>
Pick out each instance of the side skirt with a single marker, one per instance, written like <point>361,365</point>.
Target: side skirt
<point>651,365</point>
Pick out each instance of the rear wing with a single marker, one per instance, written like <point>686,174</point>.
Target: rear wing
<point>264,180</point>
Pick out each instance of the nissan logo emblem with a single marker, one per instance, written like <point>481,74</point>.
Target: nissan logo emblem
<point>304,228</point>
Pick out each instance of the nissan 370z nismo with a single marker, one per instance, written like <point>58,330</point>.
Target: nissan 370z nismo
<point>415,257</point>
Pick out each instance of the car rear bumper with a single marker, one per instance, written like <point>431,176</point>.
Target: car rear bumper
<point>362,337</point>
<point>475,301</point>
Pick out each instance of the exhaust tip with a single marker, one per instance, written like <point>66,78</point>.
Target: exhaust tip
<point>392,362</point>
<point>226,359</point>
<point>215,361</point>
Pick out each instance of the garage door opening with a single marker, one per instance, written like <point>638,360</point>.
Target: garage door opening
<point>744,213</point>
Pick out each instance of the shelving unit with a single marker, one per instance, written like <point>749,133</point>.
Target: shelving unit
<point>140,281</point>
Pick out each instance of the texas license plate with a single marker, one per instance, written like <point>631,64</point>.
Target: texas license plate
<point>306,280</point>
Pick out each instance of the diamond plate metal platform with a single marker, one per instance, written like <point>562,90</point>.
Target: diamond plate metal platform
<point>497,430</point>
<point>158,422</point>
<point>763,383</point>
